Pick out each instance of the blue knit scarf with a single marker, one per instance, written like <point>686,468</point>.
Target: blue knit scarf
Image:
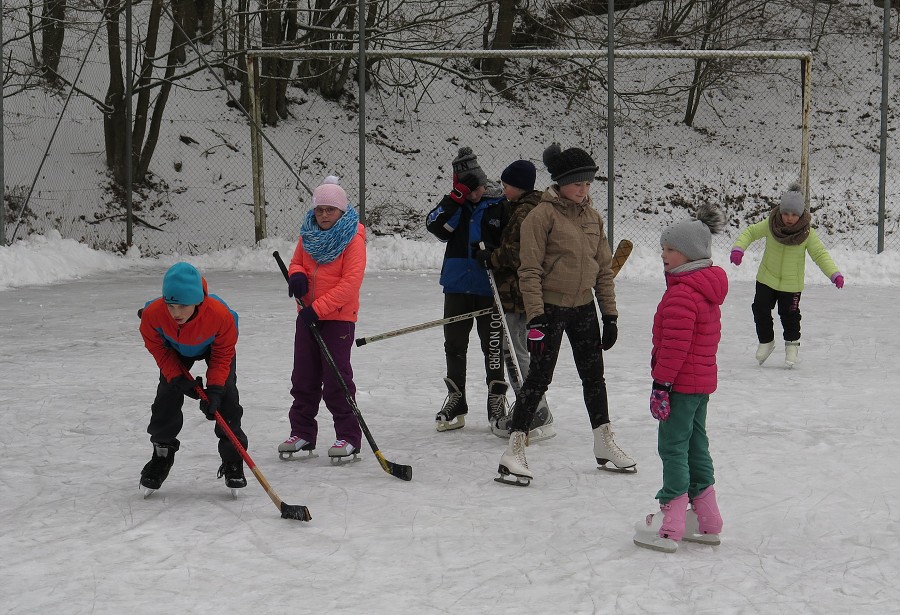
<point>325,246</point>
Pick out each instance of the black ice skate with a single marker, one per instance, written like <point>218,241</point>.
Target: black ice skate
<point>453,413</point>
<point>234,476</point>
<point>157,469</point>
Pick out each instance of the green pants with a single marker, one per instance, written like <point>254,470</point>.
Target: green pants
<point>684,448</point>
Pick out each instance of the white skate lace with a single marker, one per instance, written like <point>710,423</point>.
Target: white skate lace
<point>519,444</point>
<point>612,447</point>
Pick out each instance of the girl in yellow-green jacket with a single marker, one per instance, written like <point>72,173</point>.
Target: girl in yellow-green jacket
<point>782,271</point>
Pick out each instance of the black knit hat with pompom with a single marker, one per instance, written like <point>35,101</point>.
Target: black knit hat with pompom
<point>569,166</point>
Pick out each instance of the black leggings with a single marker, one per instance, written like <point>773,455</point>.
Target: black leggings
<point>581,326</point>
<point>788,311</point>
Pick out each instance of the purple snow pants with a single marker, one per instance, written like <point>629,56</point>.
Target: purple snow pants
<point>314,380</point>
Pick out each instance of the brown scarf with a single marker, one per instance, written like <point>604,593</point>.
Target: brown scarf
<point>792,235</point>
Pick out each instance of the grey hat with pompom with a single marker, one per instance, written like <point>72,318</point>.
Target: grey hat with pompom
<point>792,201</point>
<point>693,237</point>
<point>466,165</point>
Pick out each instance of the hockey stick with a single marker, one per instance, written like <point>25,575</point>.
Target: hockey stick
<point>288,511</point>
<point>623,251</point>
<point>362,341</point>
<point>402,472</point>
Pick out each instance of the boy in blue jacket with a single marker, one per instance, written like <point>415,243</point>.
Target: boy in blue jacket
<point>471,213</point>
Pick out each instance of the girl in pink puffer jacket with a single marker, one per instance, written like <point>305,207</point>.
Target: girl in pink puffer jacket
<point>686,332</point>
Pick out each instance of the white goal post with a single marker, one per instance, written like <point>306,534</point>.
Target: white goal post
<point>254,55</point>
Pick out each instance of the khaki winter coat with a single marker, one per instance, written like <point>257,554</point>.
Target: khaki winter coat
<point>565,257</point>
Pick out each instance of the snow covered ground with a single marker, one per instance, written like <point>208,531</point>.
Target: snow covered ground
<point>804,458</point>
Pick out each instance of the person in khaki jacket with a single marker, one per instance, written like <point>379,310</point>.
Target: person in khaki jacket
<point>565,261</point>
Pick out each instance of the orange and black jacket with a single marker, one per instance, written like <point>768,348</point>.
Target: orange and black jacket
<point>212,332</point>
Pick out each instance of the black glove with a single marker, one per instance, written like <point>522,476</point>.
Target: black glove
<point>214,395</point>
<point>537,331</point>
<point>298,285</point>
<point>308,315</point>
<point>464,185</point>
<point>483,255</point>
<point>610,332</point>
<point>188,387</point>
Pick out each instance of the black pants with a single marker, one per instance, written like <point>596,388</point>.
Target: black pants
<point>581,326</point>
<point>788,311</point>
<point>167,419</point>
<point>456,337</point>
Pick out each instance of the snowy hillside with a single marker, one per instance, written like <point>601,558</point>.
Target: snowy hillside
<point>742,151</point>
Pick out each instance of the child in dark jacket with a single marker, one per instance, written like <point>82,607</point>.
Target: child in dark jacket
<point>470,214</point>
<point>185,325</point>
<point>518,185</point>
<point>687,328</point>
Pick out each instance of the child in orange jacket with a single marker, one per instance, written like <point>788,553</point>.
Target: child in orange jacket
<point>326,273</point>
<point>185,325</point>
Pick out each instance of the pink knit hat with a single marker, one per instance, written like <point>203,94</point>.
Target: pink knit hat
<point>330,194</point>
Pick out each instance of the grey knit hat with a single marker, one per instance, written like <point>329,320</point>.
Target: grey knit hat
<point>569,166</point>
<point>792,201</point>
<point>693,237</point>
<point>466,164</point>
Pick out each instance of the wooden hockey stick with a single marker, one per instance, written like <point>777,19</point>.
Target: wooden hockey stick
<point>288,511</point>
<point>362,341</point>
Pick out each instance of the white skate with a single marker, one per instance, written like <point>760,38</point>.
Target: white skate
<point>296,444</point>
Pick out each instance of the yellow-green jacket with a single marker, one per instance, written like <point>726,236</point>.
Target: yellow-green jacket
<point>784,267</point>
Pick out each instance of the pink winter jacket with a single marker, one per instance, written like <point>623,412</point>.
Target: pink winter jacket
<point>687,328</point>
<point>334,287</point>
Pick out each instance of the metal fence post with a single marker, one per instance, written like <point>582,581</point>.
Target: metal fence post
<point>256,152</point>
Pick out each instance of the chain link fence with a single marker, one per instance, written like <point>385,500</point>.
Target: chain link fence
<point>741,150</point>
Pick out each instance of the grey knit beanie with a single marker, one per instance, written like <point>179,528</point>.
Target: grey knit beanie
<point>466,164</point>
<point>693,237</point>
<point>570,166</point>
<point>792,201</point>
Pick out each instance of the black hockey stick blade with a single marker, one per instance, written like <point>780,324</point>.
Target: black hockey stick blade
<point>394,469</point>
<point>297,512</point>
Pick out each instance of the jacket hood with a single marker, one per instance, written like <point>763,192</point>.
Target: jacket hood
<point>711,282</point>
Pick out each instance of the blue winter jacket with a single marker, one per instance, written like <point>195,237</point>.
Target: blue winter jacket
<point>460,226</point>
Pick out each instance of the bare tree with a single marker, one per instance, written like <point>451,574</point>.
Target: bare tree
<point>53,29</point>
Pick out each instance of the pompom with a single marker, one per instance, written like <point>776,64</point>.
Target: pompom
<point>464,152</point>
<point>712,217</point>
<point>551,154</point>
<point>794,187</point>
<point>332,179</point>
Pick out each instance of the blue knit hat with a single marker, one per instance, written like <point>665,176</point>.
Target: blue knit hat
<point>520,174</point>
<point>182,285</point>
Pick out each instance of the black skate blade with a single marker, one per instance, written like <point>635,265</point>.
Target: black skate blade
<point>508,478</point>
<point>611,467</point>
<point>520,481</point>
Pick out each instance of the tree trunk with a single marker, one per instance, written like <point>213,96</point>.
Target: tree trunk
<point>115,120</point>
<point>506,18</point>
<point>206,15</point>
<point>174,58</point>
<point>53,28</point>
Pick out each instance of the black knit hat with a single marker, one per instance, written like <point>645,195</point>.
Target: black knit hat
<point>520,174</point>
<point>466,165</point>
<point>569,166</point>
